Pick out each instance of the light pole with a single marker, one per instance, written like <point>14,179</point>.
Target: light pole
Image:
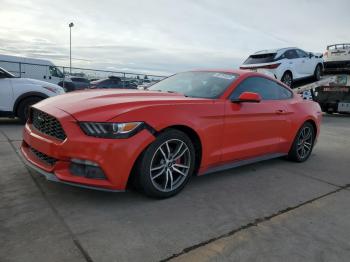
<point>70,47</point>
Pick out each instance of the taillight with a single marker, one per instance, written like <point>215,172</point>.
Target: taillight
<point>273,66</point>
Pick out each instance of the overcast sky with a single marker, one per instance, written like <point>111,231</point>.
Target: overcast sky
<point>163,36</point>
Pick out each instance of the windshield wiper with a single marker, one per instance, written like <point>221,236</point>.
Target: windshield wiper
<point>171,92</point>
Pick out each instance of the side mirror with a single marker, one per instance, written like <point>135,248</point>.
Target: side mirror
<point>310,55</point>
<point>249,97</point>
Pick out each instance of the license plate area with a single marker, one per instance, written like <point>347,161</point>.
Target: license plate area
<point>344,107</point>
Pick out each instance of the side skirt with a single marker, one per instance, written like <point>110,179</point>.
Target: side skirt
<point>244,162</point>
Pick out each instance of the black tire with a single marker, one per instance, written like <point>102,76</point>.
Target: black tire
<point>287,78</point>
<point>303,141</point>
<point>152,183</point>
<point>23,107</point>
<point>318,72</point>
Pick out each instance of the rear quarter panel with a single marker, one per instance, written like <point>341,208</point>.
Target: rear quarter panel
<point>302,111</point>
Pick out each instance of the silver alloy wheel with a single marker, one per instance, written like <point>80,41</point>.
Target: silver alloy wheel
<point>170,165</point>
<point>287,79</point>
<point>305,141</point>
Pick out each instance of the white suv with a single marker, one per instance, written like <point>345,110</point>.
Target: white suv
<point>18,94</point>
<point>337,58</point>
<point>286,64</point>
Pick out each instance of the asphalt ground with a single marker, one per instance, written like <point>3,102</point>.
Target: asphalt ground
<point>269,211</point>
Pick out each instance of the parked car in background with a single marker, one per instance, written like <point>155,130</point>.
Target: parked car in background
<point>337,58</point>
<point>113,82</point>
<point>80,82</point>
<point>33,68</point>
<point>146,83</point>
<point>18,94</point>
<point>286,64</point>
<point>195,122</point>
<point>73,83</point>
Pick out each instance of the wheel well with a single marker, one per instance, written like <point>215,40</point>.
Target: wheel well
<point>320,64</point>
<point>191,134</point>
<point>21,99</point>
<point>288,72</point>
<point>312,122</point>
<point>195,140</point>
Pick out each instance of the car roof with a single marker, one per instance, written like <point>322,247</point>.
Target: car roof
<point>346,44</point>
<point>272,51</point>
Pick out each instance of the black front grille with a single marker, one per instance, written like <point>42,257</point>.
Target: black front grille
<point>44,158</point>
<point>47,124</point>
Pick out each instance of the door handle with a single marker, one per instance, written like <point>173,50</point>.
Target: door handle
<point>281,112</point>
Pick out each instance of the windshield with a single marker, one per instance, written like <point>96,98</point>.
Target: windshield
<point>196,84</point>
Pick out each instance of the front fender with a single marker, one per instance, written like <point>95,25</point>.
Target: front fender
<point>207,121</point>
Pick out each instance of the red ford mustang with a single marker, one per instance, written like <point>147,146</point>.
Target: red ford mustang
<point>190,123</point>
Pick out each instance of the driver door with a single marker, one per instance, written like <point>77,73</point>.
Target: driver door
<point>254,129</point>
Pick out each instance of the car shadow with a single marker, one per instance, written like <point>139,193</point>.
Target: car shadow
<point>196,186</point>
<point>10,121</point>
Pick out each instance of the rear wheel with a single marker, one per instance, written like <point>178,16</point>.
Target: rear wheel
<point>318,72</point>
<point>287,78</point>
<point>303,143</point>
<point>23,108</point>
<point>166,165</point>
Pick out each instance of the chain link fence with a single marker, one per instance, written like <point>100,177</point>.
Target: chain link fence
<point>61,74</point>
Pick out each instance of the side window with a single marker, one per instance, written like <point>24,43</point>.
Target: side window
<point>55,72</point>
<point>291,54</point>
<point>284,93</point>
<point>301,53</point>
<point>267,89</point>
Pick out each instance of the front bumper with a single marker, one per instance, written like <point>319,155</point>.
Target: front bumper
<point>52,177</point>
<point>115,157</point>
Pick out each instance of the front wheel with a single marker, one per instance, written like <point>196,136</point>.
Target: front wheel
<point>303,143</point>
<point>166,165</point>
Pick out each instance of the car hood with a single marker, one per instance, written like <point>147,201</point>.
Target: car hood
<point>104,105</point>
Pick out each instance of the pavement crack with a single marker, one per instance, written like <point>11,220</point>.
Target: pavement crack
<point>256,222</point>
<point>76,241</point>
<point>318,179</point>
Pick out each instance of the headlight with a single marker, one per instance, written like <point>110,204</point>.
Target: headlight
<point>111,130</point>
